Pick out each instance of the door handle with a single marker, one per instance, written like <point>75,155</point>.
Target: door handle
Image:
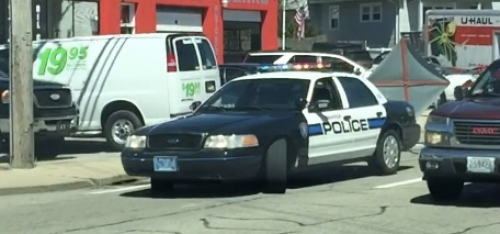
<point>347,117</point>
<point>379,114</point>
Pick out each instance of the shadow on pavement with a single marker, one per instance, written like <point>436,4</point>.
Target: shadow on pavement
<point>6,159</point>
<point>326,176</point>
<point>84,146</point>
<point>474,195</point>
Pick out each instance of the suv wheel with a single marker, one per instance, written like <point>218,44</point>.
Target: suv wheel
<point>386,158</point>
<point>48,148</point>
<point>442,189</point>
<point>119,126</point>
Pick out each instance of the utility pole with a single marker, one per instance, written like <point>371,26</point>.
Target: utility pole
<point>21,85</point>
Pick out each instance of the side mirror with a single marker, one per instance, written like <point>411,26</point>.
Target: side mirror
<point>319,105</point>
<point>301,104</point>
<point>357,71</point>
<point>460,93</point>
<point>194,105</point>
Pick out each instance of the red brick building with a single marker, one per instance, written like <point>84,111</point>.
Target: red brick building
<point>233,26</point>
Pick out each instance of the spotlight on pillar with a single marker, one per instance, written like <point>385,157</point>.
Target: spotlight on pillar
<point>225,3</point>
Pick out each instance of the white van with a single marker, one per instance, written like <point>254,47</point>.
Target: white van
<point>122,82</point>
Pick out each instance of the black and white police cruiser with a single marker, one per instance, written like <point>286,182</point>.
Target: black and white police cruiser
<point>269,125</point>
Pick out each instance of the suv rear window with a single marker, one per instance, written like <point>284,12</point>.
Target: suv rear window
<point>206,53</point>
<point>263,59</point>
<point>358,55</point>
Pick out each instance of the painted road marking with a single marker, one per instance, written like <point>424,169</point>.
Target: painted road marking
<point>400,183</point>
<point>117,190</point>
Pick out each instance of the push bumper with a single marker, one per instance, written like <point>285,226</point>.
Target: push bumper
<point>411,135</point>
<point>468,164</point>
<point>191,167</point>
<point>60,126</point>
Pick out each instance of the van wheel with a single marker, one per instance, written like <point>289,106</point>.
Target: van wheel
<point>276,167</point>
<point>386,158</point>
<point>119,126</point>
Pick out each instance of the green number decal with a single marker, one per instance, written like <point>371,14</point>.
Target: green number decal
<point>55,60</point>
<point>191,88</point>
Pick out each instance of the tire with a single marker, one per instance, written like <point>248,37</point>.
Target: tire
<point>276,169</point>
<point>48,148</point>
<point>132,121</point>
<point>378,160</point>
<point>441,189</point>
<point>161,186</point>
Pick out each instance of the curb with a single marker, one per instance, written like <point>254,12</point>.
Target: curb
<point>83,184</point>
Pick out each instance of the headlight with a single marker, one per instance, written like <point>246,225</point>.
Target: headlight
<point>231,142</point>
<point>136,142</point>
<point>436,138</point>
<point>435,119</point>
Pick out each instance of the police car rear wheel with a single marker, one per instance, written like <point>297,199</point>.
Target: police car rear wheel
<point>388,153</point>
<point>276,167</point>
<point>159,185</point>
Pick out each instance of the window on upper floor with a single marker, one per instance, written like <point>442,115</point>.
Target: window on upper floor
<point>437,6</point>
<point>334,12</point>
<point>371,12</point>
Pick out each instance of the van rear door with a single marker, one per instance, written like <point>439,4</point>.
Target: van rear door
<point>210,72</point>
<point>183,73</point>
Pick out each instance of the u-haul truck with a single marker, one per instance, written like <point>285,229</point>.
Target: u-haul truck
<point>463,38</point>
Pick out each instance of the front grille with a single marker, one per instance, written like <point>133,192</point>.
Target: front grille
<point>53,98</point>
<point>174,141</point>
<point>477,133</point>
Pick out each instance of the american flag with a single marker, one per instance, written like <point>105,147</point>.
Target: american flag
<point>302,13</point>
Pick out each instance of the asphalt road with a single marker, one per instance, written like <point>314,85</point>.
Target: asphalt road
<point>344,200</point>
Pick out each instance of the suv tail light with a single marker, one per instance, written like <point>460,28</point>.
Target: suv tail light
<point>171,63</point>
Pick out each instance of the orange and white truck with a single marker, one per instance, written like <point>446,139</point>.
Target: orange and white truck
<point>463,38</point>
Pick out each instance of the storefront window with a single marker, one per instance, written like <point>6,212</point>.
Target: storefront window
<point>127,22</point>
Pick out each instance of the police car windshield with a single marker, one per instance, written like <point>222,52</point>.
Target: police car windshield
<point>257,95</point>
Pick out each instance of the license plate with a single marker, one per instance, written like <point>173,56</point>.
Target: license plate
<point>480,164</point>
<point>165,164</point>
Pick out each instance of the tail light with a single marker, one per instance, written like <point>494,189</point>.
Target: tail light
<point>171,63</point>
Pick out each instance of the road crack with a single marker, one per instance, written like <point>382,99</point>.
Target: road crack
<point>208,225</point>
<point>381,211</point>
<point>468,229</point>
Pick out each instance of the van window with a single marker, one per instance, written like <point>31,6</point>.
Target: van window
<point>186,55</point>
<point>207,54</point>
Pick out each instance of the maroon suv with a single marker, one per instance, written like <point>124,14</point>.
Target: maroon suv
<point>462,138</point>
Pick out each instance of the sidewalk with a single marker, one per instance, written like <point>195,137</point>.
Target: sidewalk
<point>64,173</point>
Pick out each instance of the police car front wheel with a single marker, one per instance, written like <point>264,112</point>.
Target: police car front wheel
<point>276,169</point>
<point>388,153</point>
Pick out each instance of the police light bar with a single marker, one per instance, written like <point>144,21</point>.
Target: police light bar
<point>294,67</point>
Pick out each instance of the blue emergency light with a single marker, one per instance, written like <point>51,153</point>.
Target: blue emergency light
<point>293,67</point>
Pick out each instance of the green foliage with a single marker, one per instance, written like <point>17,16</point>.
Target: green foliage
<point>291,26</point>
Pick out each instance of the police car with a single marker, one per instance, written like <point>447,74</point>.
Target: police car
<point>270,125</point>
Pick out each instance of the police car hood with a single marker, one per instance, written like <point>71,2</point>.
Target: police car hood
<point>221,123</point>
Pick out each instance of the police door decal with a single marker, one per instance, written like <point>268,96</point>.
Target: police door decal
<point>345,126</point>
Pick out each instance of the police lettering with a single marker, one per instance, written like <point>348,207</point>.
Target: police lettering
<point>476,20</point>
<point>339,127</point>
